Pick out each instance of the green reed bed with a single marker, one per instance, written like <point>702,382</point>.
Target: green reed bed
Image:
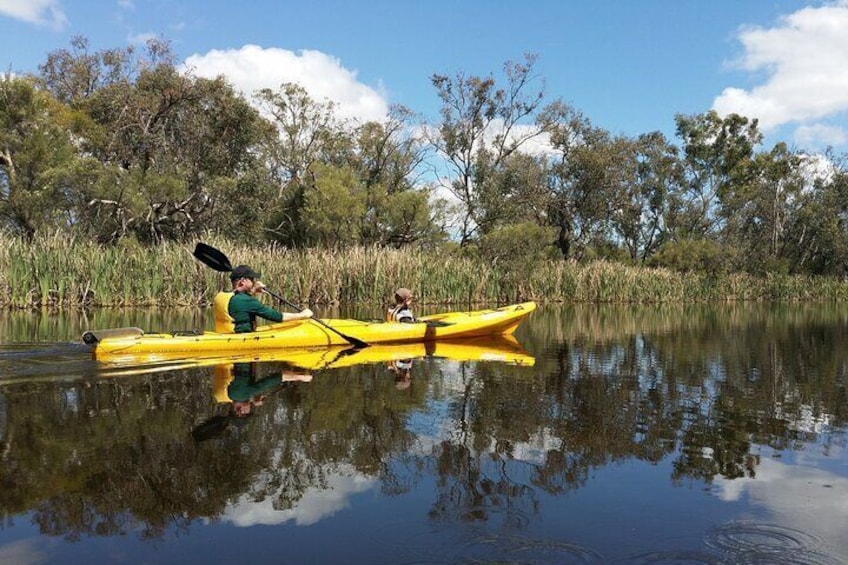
<point>63,272</point>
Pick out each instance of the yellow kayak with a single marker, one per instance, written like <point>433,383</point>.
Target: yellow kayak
<point>499,349</point>
<point>123,342</point>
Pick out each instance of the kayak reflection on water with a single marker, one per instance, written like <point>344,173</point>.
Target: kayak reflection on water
<point>241,386</point>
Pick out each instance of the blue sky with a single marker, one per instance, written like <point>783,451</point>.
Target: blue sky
<point>627,65</point>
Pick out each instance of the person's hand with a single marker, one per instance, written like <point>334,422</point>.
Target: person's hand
<point>296,377</point>
<point>258,286</point>
<point>306,313</point>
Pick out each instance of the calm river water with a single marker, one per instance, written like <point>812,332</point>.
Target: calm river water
<point>608,434</point>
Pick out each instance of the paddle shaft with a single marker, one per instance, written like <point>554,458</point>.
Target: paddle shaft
<point>352,340</point>
<point>215,259</point>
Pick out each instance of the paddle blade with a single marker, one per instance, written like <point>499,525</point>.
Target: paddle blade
<point>211,257</point>
<point>211,428</point>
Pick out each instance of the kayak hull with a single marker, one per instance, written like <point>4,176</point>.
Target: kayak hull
<point>309,333</point>
<point>501,349</point>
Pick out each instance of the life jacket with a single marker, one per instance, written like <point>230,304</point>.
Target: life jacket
<point>224,323</point>
<point>223,376</point>
<point>400,313</point>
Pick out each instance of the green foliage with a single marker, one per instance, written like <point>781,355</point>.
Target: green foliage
<point>123,144</point>
<point>690,255</point>
<point>35,154</point>
<point>333,207</point>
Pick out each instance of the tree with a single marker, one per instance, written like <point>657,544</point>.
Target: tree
<point>759,213</point>
<point>73,75</point>
<point>819,234</point>
<point>481,125</point>
<point>306,132</point>
<point>333,207</point>
<point>162,146</point>
<point>388,156</point>
<point>640,209</point>
<point>717,154</point>
<point>574,210</point>
<point>35,154</point>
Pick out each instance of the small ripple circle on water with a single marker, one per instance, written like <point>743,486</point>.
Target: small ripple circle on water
<point>754,542</point>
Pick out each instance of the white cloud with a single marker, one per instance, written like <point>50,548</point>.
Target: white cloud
<point>820,134</point>
<point>800,497</point>
<point>805,60</point>
<point>141,38</point>
<point>252,68</point>
<point>24,552</point>
<point>41,12</point>
<point>315,504</point>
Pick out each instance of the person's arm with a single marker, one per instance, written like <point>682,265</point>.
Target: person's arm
<point>273,315</point>
<point>266,312</point>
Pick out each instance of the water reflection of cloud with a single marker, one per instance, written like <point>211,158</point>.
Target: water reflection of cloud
<point>315,504</point>
<point>805,498</point>
<point>23,552</point>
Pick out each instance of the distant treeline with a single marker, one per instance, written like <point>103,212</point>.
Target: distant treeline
<point>125,150</point>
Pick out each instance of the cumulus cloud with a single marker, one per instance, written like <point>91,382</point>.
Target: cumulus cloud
<point>805,61</point>
<point>41,12</point>
<point>251,68</point>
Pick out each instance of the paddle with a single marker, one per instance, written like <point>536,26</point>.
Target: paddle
<point>215,259</point>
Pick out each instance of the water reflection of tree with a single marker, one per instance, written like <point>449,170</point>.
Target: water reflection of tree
<point>110,457</point>
<point>704,393</point>
<point>476,477</point>
<point>707,389</point>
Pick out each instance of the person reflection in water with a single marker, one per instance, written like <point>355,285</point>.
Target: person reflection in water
<point>240,385</point>
<point>402,369</point>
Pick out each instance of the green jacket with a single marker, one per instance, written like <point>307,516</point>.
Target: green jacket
<point>244,309</point>
<point>245,386</point>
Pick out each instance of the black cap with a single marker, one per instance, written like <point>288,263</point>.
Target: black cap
<point>243,272</point>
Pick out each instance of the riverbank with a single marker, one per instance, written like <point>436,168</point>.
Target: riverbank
<point>58,272</point>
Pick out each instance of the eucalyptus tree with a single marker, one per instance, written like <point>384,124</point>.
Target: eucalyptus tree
<point>651,172</point>
<point>161,147</point>
<point>176,147</point>
<point>579,203</point>
<point>389,157</point>
<point>74,74</point>
<point>36,153</point>
<point>306,132</point>
<point>819,235</point>
<point>758,213</point>
<point>717,154</point>
<point>482,124</point>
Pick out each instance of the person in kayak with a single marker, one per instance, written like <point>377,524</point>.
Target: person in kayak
<point>236,311</point>
<point>402,311</point>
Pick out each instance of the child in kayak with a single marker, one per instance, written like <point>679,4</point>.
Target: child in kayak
<point>401,311</point>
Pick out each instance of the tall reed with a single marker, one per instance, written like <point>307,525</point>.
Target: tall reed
<point>63,272</point>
